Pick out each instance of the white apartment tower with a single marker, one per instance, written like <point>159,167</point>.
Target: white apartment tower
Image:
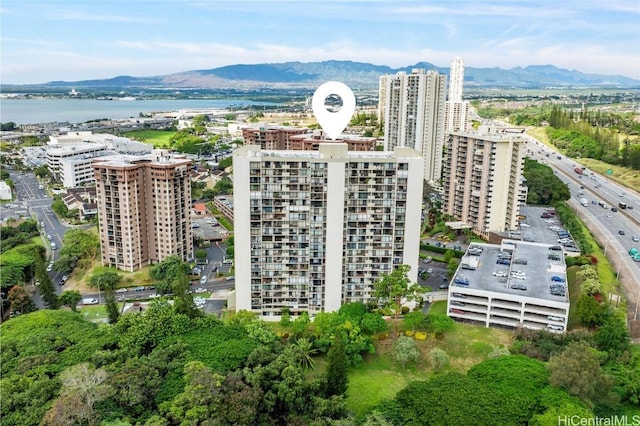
<point>316,229</point>
<point>414,108</point>
<point>457,110</point>
<point>483,179</point>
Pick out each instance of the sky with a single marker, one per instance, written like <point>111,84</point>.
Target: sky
<point>71,40</point>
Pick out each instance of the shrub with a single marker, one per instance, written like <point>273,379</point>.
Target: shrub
<point>408,333</point>
<point>405,310</point>
<point>439,359</point>
<point>420,335</point>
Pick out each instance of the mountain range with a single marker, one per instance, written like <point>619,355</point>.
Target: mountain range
<point>358,75</point>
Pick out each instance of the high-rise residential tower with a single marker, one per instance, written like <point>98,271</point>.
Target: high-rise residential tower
<point>457,110</point>
<point>316,229</point>
<point>483,179</point>
<point>143,209</point>
<point>414,108</point>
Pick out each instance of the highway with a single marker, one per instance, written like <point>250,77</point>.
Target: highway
<point>614,230</point>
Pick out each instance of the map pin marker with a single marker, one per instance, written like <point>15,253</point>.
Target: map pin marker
<point>333,123</point>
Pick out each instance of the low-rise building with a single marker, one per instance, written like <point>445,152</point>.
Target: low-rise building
<point>224,204</point>
<point>5,191</point>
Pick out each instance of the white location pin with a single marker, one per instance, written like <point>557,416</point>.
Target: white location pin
<point>333,123</point>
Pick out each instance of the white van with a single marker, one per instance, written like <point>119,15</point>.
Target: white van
<point>89,301</point>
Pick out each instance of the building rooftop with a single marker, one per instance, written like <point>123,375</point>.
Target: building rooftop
<point>537,271</point>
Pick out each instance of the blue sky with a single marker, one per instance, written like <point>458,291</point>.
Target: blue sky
<point>90,39</point>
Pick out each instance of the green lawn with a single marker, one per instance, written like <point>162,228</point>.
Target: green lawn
<point>157,138</point>
<point>379,377</point>
<point>95,312</point>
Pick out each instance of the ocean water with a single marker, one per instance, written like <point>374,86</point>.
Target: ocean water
<point>33,111</point>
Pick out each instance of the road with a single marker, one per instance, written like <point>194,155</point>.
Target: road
<point>212,285</point>
<point>37,204</point>
<point>613,229</point>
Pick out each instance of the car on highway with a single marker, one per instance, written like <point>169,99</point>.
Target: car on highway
<point>204,279</point>
<point>50,267</point>
<point>621,232</point>
<point>231,278</point>
<point>634,238</point>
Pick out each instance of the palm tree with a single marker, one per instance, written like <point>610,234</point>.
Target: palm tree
<point>303,347</point>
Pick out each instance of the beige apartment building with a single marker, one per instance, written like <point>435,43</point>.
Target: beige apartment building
<point>316,229</point>
<point>271,137</point>
<point>143,209</point>
<point>483,179</point>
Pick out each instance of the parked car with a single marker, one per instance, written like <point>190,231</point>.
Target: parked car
<point>50,267</point>
<point>518,286</point>
<point>500,273</point>
<point>557,279</point>
<point>461,281</point>
<point>204,279</point>
<point>555,327</point>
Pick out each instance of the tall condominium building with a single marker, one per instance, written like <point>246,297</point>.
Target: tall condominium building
<point>316,229</point>
<point>457,110</point>
<point>456,78</point>
<point>414,107</point>
<point>143,209</point>
<point>483,178</point>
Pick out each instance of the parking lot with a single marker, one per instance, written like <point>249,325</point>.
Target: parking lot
<point>436,275</point>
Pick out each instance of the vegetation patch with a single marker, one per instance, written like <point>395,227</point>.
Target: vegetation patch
<point>157,138</point>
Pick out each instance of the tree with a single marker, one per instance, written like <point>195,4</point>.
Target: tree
<point>405,350</point>
<point>105,280</point>
<point>42,171</point>
<point>303,347</point>
<point>200,254</point>
<point>113,313</point>
<point>183,299</point>
<point>59,207</point>
<point>394,289</point>
<point>285,317</point>
<point>439,359</point>
<point>590,311</point>
<point>19,300</point>
<point>135,385</point>
<point>439,323</point>
<point>337,378</point>
<point>415,320</point>
<point>577,369</point>
<point>82,387</point>
<point>46,286</point>
<point>225,162</point>
<point>612,336</point>
<point>223,186</point>
<point>71,298</point>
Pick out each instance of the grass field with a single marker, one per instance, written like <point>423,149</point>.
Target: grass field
<point>379,378</point>
<point>158,138</point>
